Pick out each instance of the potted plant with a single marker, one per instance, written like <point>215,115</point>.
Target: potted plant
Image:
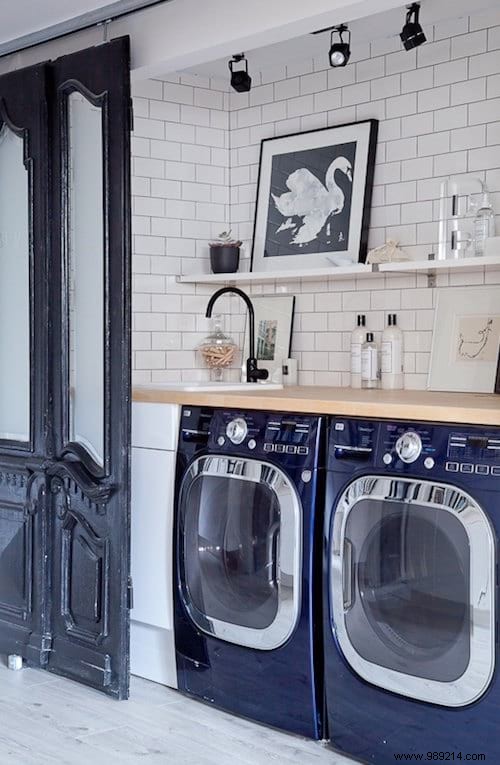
<point>224,254</point>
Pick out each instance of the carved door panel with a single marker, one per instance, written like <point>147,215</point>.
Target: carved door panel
<point>65,365</point>
<point>89,477</point>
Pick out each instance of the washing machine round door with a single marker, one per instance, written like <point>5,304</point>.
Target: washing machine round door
<point>412,588</point>
<point>240,550</point>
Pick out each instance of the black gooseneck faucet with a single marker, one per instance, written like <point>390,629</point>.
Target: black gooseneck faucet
<point>253,371</point>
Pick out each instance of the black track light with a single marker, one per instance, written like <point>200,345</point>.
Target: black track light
<point>412,34</point>
<point>240,79</point>
<point>340,51</point>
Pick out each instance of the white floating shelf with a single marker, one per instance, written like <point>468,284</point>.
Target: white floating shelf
<point>343,272</point>
<point>462,264</point>
<point>260,277</point>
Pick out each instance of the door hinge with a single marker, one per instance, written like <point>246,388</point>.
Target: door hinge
<point>46,648</point>
<point>130,593</point>
<point>131,115</point>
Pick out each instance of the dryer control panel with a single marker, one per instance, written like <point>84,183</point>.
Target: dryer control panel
<point>411,448</point>
<point>407,443</point>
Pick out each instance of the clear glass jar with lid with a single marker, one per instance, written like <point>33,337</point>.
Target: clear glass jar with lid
<point>217,350</point>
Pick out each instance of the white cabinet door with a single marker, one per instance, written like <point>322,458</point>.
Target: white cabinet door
<point>153,476</point>
<point>155,426</point>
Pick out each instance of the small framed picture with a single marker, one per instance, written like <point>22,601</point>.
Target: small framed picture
<point>314,198</point>
<point>466,339</point>
<point>273,332</point>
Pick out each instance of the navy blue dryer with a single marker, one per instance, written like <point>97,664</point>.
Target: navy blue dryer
<point>246,585</point>
<point>412,522</point>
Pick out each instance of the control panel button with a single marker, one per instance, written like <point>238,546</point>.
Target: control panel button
<point>387,458</point>
<point>303,449</point>
<point>452,467</point>
<point>495,470</point>
<point>291,450</point>
<point>482,469</point>
<point>237,430</point>
<point>221,440</point>
<point>279,448</point>
<point>252,443</point>
<point>466,467</point>
<point>268,447</point>
<point>429,463</point>
<point>409,447</point>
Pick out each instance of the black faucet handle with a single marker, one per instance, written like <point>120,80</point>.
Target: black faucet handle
<point>254,373</point>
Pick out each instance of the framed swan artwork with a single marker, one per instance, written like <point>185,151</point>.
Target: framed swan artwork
<point>314,197</point>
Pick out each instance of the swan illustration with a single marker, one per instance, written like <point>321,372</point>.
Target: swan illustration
<point>471,349</point>
<point>312,201</point>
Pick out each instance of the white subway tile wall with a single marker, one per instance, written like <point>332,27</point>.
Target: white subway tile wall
<point>195,161</point>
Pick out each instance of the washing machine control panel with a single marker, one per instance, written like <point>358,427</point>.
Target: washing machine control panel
<point>236,431</point>
<point>264,433</point>
<point>409,447</point>
<point>478,454</point>
<point>287,435</point>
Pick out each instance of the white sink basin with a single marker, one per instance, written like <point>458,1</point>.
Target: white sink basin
<point>213,386</point>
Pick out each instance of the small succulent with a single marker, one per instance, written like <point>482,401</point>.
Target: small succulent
<point>224,240</point>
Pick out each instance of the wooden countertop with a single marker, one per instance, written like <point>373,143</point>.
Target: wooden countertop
<point>427,406</point>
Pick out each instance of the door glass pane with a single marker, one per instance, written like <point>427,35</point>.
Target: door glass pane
<point>411,611</point>
<point>229,555</point>
<point>86,275</point>
<point>14,289</point>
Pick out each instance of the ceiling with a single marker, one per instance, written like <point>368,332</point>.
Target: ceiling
<point>375,27</point>
<point>26,23</point>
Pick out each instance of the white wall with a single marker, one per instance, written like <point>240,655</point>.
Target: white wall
<point>439,112</point>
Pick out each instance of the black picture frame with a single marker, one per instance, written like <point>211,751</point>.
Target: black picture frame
<point>317,149</point>
<point>497,377</point>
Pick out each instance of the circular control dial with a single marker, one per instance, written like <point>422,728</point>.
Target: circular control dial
<point>409,447</point>
<point>237,430</point>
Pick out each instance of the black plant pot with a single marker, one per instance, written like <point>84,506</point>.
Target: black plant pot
<point>224,258</point>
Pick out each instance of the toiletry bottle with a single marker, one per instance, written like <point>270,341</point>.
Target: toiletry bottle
<point>484,224</point>
<point>392,355</point>
<point>357,339</point>
<point>369,363</point>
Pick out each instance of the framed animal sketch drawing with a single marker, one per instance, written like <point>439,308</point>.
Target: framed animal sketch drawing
<point>465,340</point>
<point>314,197</point>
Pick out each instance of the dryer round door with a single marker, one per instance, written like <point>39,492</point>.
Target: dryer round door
<point>240,550</point>
<point>412,587</point>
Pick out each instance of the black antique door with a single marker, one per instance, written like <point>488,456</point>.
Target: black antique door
<point>24,392</point>
<point>64,417</point>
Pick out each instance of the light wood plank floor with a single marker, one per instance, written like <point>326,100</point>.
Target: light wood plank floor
<point>46,720</point>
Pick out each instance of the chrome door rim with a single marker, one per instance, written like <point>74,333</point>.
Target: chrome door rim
<point>288,613</point>
<point>477,677</point>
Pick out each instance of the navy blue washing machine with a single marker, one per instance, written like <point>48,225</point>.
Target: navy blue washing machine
<point>410,590</point>
<point>247,599</point>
